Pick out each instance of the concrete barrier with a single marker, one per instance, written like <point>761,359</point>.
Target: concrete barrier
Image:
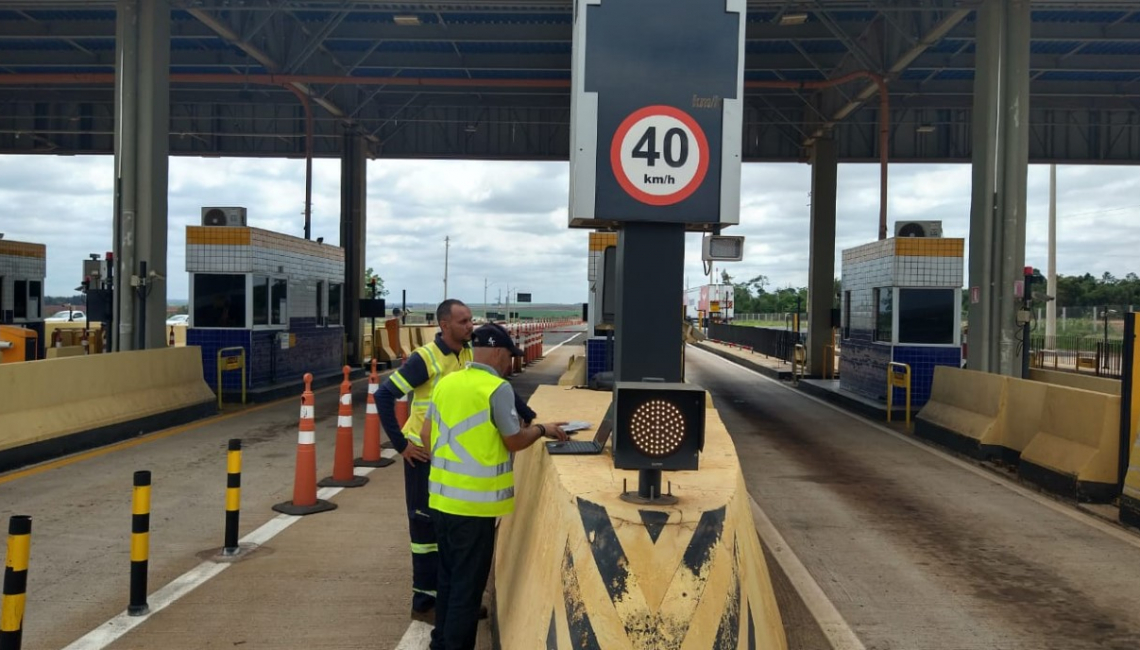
<point>1076,380</point>
<point>1021,417</point>
<point>575,374</point>
<point>1076,447</point>
<point>589,571</point>
<point>964,412</point>
<point>108,397</point>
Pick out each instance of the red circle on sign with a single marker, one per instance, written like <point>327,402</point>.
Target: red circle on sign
<point>702,147</point>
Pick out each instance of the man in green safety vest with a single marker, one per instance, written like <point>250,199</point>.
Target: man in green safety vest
<point>424,368</point>
<point>472,429</point>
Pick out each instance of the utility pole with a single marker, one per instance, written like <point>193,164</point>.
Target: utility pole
<point>1051,287</point>
<point>484,298</point>
<point>446,252</point>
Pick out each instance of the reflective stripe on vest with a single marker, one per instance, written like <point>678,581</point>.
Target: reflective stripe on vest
<point>438,365</point>
<point>471,470</point>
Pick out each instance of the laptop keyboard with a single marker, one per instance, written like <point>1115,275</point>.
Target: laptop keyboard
<point>573,446</point>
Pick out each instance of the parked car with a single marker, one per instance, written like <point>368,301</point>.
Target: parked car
<point>179,319</point>
<point>66,316</point>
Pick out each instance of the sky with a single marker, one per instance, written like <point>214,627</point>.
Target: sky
<point>508,226</point>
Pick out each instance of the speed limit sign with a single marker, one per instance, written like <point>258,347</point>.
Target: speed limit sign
<point>660,155</point>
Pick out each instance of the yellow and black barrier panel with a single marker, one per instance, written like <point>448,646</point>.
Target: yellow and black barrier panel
<point>233,497</point>
<point>227,362</point>
<point>15,582</point>
<point>140,543</point>
<point>898,376</point>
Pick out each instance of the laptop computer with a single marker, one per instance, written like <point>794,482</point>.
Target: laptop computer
<point>584,447</point>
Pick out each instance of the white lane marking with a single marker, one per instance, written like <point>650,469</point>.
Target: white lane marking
<point>1056,506</point>
<point>115,628</point>
<point>417,637</point>
<point>551,350</point>
<point>839,634</point>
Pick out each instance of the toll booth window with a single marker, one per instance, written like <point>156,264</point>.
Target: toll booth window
<point>279,302</point>
<point>322,311</point>
<point>20,304</point>
<point>846,314</point>
<point>884,315</point>
<point>219,300</point>
<point>260,300</point>
<point>35,294</point>
<point>335,291</point>
<point>927,316</point>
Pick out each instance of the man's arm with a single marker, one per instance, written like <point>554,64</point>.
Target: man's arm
<point>411,374</point>
<point>526,415</point>
<point>506,419</point>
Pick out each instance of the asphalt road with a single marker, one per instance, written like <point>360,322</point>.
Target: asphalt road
<point>917,551</point>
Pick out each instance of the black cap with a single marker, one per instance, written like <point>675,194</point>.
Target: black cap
<point>493,335</point>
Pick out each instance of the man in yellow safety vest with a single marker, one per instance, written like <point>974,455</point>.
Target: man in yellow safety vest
<point>423,369</point>
<point>472,428</point>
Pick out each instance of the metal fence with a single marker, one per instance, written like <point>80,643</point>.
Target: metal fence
<point>1081,354</point>
<point>770,342</point>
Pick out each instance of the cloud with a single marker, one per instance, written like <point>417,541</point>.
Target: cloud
<point>507,220</point>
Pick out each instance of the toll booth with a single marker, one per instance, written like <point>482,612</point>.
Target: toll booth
<point>275,297</point>
<point>902,302</point>
<point>23,267</point>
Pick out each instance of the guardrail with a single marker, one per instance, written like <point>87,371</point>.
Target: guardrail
<point>898,376</point>
<point>232,362</point>
<point>769,342</point>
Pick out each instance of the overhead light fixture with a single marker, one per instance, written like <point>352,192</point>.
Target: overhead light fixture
<point>925,128</point>
<point>407,20</point>
<point>793,19</point>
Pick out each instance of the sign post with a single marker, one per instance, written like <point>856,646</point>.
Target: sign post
<point>657,108</point>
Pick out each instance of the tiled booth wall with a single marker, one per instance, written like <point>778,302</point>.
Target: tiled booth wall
<point>900,303</point>
<point>284,309</point>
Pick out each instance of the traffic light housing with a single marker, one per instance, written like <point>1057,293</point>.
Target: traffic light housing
<point>658,426</point>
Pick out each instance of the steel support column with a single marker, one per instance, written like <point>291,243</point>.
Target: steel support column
<point>1000,176</point>
<point>353,221</point>
<point>142,124</point>
<point>650,281</point>
<point>821,259</point>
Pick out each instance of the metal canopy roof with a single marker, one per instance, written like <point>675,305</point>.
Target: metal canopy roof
<point>472,79</point>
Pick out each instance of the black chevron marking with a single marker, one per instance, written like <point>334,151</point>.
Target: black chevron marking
<point>582,635</point>
<point>552,634</point>
<point>728,634</point>
<point>607,550</point>
<point>654,521</point>
<point>707,534</point>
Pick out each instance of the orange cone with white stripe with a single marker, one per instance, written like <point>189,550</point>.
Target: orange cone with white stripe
<point>370,455</point>
<point>342,458</point>
<point>403,410</point>
<point>305,501</point>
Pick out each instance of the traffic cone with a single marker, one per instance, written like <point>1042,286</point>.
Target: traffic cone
<point>85,343</point>
<point>370,455</point>
<point>305,501</point>
<point>57,339</point>
<point>342,475</point>
<point>171,341</point>
<point>402,410</point>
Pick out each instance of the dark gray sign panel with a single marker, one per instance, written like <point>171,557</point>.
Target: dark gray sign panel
<point>523,297</point>
<point>656,112</point>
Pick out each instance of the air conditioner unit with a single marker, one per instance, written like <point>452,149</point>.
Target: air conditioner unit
<point>918,229</point>
<point>233,217</point>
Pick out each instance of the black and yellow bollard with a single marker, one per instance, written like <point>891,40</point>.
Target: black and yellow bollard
<point>15,582</point>
<point>140,543</point>
<point>233,497</point>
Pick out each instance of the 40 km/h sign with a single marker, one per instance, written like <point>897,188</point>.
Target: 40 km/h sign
<point>659,155</point>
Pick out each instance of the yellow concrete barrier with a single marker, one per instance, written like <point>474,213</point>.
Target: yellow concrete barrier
<point>575,374</point>
<point>964,412</point>
<point>1021,415</point>
<point>407,340</point>
<point>1077,446</point>
<point>1076,380</point>
<point>594,572</point>
<point>107,396</point>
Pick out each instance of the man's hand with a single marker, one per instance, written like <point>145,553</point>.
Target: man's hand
<point>554,430</point>
<point>414,452</point>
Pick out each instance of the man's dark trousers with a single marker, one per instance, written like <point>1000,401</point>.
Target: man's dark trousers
<point>425,558</point>
<point>466,546</point>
